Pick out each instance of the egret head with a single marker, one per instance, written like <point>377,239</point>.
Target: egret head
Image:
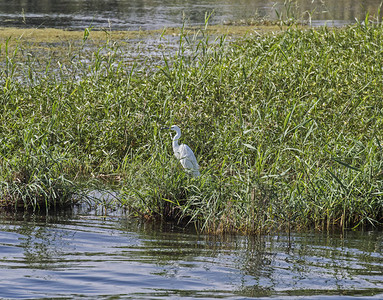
<point>176,129</point>
<point>173,127</point>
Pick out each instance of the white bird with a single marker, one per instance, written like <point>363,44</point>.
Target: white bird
<point>184,154</point>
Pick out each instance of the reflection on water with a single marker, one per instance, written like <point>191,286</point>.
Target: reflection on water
<point>84,255</point>
<point>155,14</point>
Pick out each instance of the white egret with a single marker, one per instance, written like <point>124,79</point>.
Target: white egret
<point>184,154</point>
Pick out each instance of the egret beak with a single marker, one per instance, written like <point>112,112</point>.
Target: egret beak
<point>165,128</point>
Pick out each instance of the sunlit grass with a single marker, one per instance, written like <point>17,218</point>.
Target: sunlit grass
<point>287,128</point>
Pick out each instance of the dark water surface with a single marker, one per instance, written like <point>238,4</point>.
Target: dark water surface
<point>86,256</point>
<point>156,14</point>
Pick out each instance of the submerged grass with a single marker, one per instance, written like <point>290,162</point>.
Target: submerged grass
<point>287,128</point>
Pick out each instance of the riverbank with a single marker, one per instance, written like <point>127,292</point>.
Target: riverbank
<point>287,127</point>
<point>53,47</point>
<point>42,35</point>
<point>49,37</point>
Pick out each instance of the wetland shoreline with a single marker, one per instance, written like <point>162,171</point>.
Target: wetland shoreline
<point>286,123</point>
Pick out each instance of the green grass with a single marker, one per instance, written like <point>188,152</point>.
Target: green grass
<point>287,128</point>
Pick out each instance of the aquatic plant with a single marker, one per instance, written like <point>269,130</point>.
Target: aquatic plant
<point>287,127</point>
<point>33,177</point>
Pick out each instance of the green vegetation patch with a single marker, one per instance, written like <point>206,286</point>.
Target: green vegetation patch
<point>287,127</point>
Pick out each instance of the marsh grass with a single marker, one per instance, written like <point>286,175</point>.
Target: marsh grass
<point>34,179</point>
<point>287,128</point>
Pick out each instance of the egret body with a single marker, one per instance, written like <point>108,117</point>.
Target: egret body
<point>184,154</point>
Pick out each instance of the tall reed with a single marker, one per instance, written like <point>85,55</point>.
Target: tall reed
<point>287,127</point>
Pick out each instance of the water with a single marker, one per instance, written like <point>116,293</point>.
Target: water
<point>156,14</point>
<point>82,255</point>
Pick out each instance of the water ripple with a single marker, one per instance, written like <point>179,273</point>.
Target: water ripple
<point>88,256</point>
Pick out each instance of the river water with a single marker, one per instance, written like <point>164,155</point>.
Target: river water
<point>85,255</point>
<point>156,14</point>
